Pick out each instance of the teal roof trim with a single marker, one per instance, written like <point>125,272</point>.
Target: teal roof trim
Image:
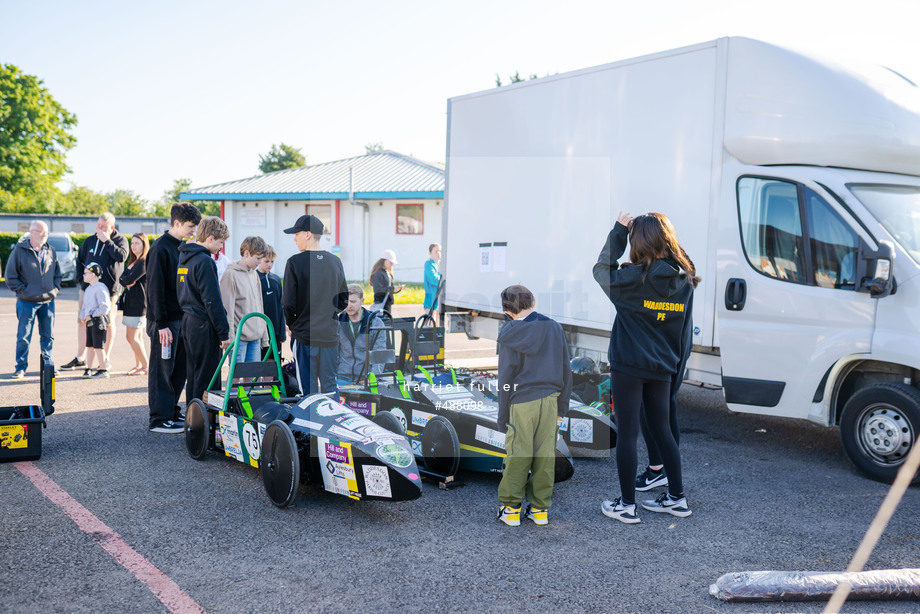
<point>310,195</point>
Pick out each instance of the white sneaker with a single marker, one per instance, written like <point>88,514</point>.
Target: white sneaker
<point>618,510</point>
<point>664,503</point>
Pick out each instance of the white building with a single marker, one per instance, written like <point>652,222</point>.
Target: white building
<point>382,200</point>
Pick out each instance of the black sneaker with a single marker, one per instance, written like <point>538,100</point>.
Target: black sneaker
<point>618,510</point>
<point>167,426</point>
<point>665,503</point>
<point>100,373</point>
<point>86,374</point>
<point>74,364</point>
<point>649,479</point>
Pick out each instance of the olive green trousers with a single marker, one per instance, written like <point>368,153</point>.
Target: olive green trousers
<point>530,443</point>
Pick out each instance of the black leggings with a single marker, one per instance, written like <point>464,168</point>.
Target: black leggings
<point>630,395</point>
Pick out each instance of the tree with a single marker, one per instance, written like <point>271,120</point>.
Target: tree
<point>373,147</point>
<point>125,203</point>
<point>162,207</point>
<point>80,200</point>
<point>281,157</point>
<point>515,78</point>
<point>35,135</point>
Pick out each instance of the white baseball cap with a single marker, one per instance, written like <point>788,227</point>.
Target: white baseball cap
<point>390,255</point>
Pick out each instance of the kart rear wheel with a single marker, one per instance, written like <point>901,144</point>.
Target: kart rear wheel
<point>197,430</point>
<point>440,447</point>
<point>280,464</point>
<point>389,422</point>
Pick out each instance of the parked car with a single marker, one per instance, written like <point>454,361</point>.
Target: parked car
<point>66,251</point>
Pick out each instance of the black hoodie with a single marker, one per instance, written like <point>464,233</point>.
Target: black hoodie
<point>199,290</point>
<point>533,362</point>
<point>652,333</point>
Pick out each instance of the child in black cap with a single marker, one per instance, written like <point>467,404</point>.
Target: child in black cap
<point>95,316</point>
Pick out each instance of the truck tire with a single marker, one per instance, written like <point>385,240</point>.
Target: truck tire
<point>878,426</point>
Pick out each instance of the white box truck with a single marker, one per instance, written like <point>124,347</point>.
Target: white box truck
<point>793,183</point>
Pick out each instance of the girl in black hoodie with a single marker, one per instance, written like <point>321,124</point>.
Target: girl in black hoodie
<point>653,296</point>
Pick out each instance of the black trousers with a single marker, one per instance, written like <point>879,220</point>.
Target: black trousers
<point>166,378</point>
<point>202,348</point>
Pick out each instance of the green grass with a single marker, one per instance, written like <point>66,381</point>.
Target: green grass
<point>410,295</point>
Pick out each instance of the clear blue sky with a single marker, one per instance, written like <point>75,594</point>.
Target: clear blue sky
<point>172,89</point>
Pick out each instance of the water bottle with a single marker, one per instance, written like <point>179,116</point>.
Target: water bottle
<point>166,351</point>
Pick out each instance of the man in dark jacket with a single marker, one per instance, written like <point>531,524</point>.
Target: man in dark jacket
<point>314,293</point>
<point>166,377</point>
<point>109,249</point>
<point>205,328</point>
<point>33,273</point>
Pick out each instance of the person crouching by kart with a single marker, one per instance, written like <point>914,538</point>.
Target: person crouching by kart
<point>534,387</point>
<point>357,337</point>
<point>653,296</point>
<point>95,314</point>
<point>205,330</point>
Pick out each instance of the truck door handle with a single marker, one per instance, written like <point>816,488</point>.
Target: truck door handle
<point>735,294</point>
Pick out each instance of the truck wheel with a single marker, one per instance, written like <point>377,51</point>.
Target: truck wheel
<point>197,430</point>
<point>389,422</point>
<point>440,447</point>
<point>280,464</point>
<point>879,425</point>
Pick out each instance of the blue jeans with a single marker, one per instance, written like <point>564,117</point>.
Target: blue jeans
<point>27,312</point>
<point>316,363</point>
<point>248,351</point>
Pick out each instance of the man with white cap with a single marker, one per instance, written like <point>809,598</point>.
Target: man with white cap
<point>313,295</point>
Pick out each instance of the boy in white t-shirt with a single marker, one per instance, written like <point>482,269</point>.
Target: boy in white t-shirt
<point>95,316</point>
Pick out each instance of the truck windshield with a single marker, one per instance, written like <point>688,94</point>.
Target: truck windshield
<point>897,208</point>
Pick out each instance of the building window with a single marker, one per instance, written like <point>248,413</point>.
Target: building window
<point>324,213</point>
<point>78,228</point>
<point>410,219</point>
<point>147,229</point>
<point>23,226</point>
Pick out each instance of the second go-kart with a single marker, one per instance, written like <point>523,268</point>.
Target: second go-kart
<point>451,417</point>
<point>297,440</point>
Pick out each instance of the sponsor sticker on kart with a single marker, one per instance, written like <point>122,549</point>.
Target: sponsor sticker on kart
<point>230,436</point>
<point>365,408</point>
<point>490,436</point>
<point>336,463</point>
<point>420,418</point>
<point>242,439</point>
<point>377,481</point>
<point>329,408</point>
<point>308,424</point>
<point>344,433</point>
<point>582,430</point>
<point>395,454</point>
<point>592,411</point>
<point>563,424</point>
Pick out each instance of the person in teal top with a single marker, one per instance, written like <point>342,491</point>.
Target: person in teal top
<point>432,276</point>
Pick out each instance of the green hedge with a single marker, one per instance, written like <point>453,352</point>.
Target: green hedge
<point>9,239</point>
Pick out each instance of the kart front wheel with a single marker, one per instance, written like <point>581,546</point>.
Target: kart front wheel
<point>280,464</point>
<point>440,447</point>
<point>197,429</point>
<point>390,422</point>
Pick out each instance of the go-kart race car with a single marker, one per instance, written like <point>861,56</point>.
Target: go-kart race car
<point>451,417</point>
<point>293,440</point>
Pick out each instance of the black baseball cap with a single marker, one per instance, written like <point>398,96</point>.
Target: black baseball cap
<point>94,268</point>
<point>307,223</point>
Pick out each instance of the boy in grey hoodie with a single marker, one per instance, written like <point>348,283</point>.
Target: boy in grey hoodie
<point>534,387</point>
<point>241,292</point>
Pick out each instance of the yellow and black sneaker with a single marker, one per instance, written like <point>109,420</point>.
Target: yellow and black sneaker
<point>511,516</point>
<point>539,516</point>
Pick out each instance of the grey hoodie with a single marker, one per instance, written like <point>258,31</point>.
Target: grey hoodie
<point>35,277</point>
<point>533,362</point>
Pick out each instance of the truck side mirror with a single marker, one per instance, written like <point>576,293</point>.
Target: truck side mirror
<point>874,268</point>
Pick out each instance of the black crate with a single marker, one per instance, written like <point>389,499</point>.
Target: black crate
<point>21,426</point>
<point>21,433</point>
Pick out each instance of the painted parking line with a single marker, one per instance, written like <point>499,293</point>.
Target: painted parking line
<point>163,588</point>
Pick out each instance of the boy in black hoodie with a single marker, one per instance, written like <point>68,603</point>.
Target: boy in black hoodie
<point>534,387</point>
<point>205,329</point>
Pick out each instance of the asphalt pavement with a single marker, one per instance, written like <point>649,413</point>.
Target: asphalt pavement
<point>766,494</point>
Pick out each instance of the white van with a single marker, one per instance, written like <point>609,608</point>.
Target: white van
<point>793,183</point>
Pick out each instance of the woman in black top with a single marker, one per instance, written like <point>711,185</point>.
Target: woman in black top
<point>382,281</point>
<point>651,337</point>
<point>134,300</point>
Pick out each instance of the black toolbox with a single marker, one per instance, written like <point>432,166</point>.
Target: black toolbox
<point>21,425</point>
